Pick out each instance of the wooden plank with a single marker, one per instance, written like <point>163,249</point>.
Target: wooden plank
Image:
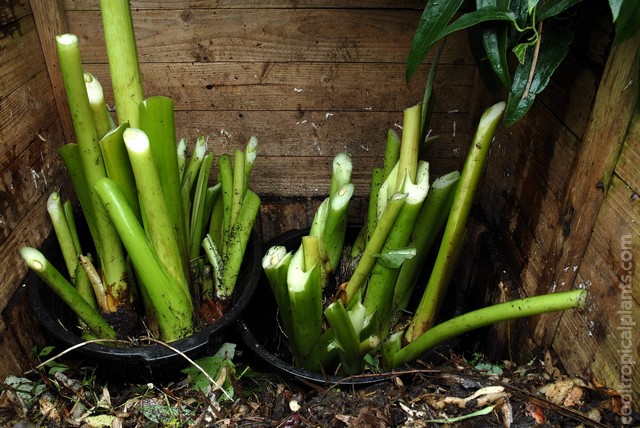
<point>11,13</point>
<point>30,176</point>
<point>594,341</point>
<point>24,112</point>
<point>16,68</point>
<point>51,21</point>
<point>627,166</point>
<point>610,117</point>
<point>267,35</point>
<point>264,4</point>
<point>327,87</point>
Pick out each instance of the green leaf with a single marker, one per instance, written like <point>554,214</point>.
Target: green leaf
<point>489,13</point>
<point>531,5</point>
<point>394,259</point>
<point>435,17</point>
<point>520,51</point>
<point>480,412</point>
<point>213,365</point>
<point>615,6</point>
<point>554,8</point>
<point>627,20</point>
<point>494,41</point>
<point>554,46</point>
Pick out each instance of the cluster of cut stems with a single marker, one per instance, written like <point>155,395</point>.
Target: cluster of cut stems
<point>163,236</point>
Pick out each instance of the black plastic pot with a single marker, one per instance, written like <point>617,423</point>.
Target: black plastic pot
<point>145,362</point>
<point>261,333</point>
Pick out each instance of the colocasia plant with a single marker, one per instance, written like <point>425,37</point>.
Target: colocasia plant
<point>335,326</point>
<point>162,234</point>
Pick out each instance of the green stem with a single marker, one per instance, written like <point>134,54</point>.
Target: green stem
<point>368,259</point>
<point>237,194</point>
<point>118,165</point>
<point>506,311</point>
<point>225,172</point>
<point>63,233</point>
<point>157,121</point>
<point>54,279</point>
<point>71,222</point>
<point>454,233</point>
<point>101,117</point>
<point>172,307</point>
<point>341,172</point>
<point>391,152</point>
<point>196,229</point>
<point>122,52</point>
<point>347,338</point>
<point>429,223</point>
<point>275,264</point>
<point>110,252</point>
<point>160,225</point>
<point>377,178</point>
<point>334,231</point>
<point>250,154</point>
<point>70,154</point>
<point>236,243</point>
<point>189,178</point>
<point>409,146</point>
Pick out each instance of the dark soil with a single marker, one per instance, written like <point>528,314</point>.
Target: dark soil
<point>511,395</point>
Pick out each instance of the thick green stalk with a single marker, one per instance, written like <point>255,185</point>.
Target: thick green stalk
<point>54,279</point>
<point>250,154</point>
<point>382,281</point>
<point>196,229</point>
<point>172,307</point>
<point>311,251</point>
<point>225,173</point>
<point>215,260</point>
<point>391,152</point>
<point>334,231</point>
<point>181,154</point>
<point>236,243</point>
<point>118,165</point>
<point>217,217</point>
<point>506,311</point>
<point>101,117</point>
<point>342,169</point>
<point>109,247</point>
<point>160,225</point>
<point>189,178</point>
<point>409,146</point>
<point>157,121</point>
<point>63,233</point>
<point>67,207</point>
<point>347,338</point>
<point>237,194</point>
<point>429,223</point>
<point>122,53</point>
<point>454,233</point>
<point>97,287</point>
<point>70,154</point>
<point>369,256</point>
<point>320,218</point>
<point>377,178</point>
<point>305,297</point>
<point>275,264</point>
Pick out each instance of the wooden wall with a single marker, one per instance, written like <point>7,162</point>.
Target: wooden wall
<point>561,192</point>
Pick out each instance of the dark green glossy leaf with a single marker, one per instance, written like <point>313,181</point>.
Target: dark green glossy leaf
<point>435,17</point>
<point>494,41</point>
<point>615,6</point>
<point>553,8</point>
<point>627,21</point>
<point>554,46</point>
<point>489,13</point>
<point>485,69</point>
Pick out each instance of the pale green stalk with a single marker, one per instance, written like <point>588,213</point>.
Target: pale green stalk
<point>238,187</point>
<point>54,279</point>
<point>181,153</point>
<point>275,264</point>
<point>97,287</point>
<point>110,252</point>
<point>250,154</point>
<point>320,218</point>
<point>70,154</point>
<point>215,260</point>
<point>217,217</point>
<point>118,165</point>
<point>189,178</point>
<point>196,229</point>
<point>172,308</point>
<point>391,152</point>
<point>305,298</point>
<point>454,233</point>
<point>161,230</point>
<point>368,259</point>
<point>377,178</point>
<point>225,173</point>
<point>122,53</point>
<point>63,233</point>
<point>342,168</point>
<point>382,281</point>
<point>334,231</point>
<point>506,311</point>
<point>311,251</point>
<point>347,338</point>
<point>236,243</point>
<point>429,223</point>
<point>157,121</point>
<point>409,146</point>
<point>67,207</point>
<point>101,117</point>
